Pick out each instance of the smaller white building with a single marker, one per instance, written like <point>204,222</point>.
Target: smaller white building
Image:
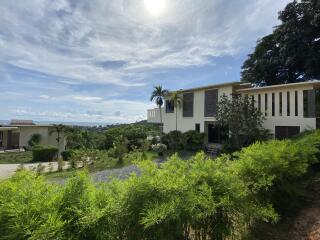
<point>17,134</point>
<point>288,108</point>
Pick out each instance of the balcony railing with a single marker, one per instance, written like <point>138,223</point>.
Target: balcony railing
<point>153,115</point>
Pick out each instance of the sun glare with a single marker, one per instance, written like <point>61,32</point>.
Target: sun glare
<point>155,7</point>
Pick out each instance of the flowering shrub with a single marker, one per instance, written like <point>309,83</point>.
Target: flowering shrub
<point>160,148</point>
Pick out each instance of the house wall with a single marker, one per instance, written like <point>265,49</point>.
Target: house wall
<point>284,120</point>
<point>5,138</point>
<point>153,115</point>
<point>188,123</point>
<point>27,131</point>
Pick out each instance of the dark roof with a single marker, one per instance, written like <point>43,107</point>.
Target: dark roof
<point>21,122</point>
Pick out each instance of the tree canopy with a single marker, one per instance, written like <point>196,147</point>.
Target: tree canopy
<point>292,52</point>
<point>243,120</point>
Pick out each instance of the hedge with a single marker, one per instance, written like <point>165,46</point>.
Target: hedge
<point>202,198</point>
<point>44,153</point>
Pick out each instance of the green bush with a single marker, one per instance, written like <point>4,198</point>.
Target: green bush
<point>193,140</point>
<point>211,199</point>
<point>174,140</point>
<point>66,155</point>
<point>274,170</point>
<point>44,153</point>
<point>28,208</point>
<point>34,140</point>
<point>160,148</point>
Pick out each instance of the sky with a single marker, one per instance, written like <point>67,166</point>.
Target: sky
<point>98,60</point>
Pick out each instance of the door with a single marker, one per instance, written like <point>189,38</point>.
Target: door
<point>213,133</point>
<point>284,132</point>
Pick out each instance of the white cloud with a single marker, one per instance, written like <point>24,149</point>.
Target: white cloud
<point>87,98</point>
<point>46,97</point>
<point>97,59</point>
<point>67,38</point>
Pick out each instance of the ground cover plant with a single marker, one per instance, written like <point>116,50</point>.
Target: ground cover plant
<point>196,199</point>
<point>16,157</point>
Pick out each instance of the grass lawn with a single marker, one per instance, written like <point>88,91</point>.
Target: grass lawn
<point>16,157</point>
<point>111,163</point>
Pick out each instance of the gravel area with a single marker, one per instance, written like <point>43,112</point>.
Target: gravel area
<point>120,173</point>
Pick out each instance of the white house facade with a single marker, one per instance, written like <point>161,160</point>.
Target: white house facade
<point>288,108</point>
<point>17,134</point>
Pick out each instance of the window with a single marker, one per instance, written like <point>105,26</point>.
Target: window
<point>309,103</point>
<point>259,102</point>
<point>169,106</point>
<point>252,100</point>
<point>211,103</point>
<point>280,103</point>
<point>187,105</point>
<point>317,102</point>
<point>273,106</point>
<point>283,132</point>
<point>198,127</point>
<point>296,103</point>
<point>305,103</point>
<point>288,103</point>
<point>266,104</point>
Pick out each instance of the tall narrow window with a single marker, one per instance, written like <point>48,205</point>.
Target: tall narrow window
<point>305,103</point>
<point>296,103</point>
<point>280,103</point>
<point>252,100</point>
<point>288,103</point>
<point>211,103</point>
<point>259,102</point>
<point>187,109</point>
<point>273,104</point>
<point>169,106</point>
<point>197,127</point>
<point>266,104</point>
<point>309,103</point>
<point>317,102</point>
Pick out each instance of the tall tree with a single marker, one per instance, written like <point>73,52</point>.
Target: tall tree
<point>59,129</point>
<point>177,102</point>
<point>157,96</point>
<point>292,52</point>
<point>243,120</point>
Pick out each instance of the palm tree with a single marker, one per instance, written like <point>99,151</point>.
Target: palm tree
<point>57,128</point>
<point>157,96</point>
<point>177,102</point>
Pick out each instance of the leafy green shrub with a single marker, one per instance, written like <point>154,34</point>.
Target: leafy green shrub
<point>174,140</point>
<point>28,208</point>
<point>273,169</point>
<point>160,148</point>
<point>44,153</point>
<point>210,199</point>
<point>66,155</point>
<point>34,140</point>
<point>193,140</point>
<point>135,134</point>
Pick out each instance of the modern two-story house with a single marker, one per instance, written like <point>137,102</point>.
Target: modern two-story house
<point>288,108</point>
